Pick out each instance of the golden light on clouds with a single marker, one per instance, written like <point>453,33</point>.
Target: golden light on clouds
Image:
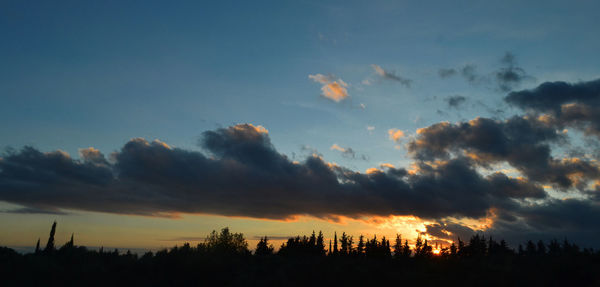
<point>395,134</point>
<point>337,147</point>
<point>334,90</point>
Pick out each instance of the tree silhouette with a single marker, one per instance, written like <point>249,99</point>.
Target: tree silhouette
<point>360,247</point>
<point>398,246</point>
<point>223,259</point>
<point>50,245</point>
<point>263,247</point>
<point>37,246</point>
<point>335,245</point>
<point>226,242</point>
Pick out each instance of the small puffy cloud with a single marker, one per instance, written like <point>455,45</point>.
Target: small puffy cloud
<point>332,89</point>
<point>455,101</point>
<point>447,72</point>
<point>391,75</point>
<point>395,134</point>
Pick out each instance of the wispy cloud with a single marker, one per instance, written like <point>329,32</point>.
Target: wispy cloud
<point>348,152</point>
<point>391,75</point>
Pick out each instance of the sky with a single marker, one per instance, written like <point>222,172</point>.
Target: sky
<point>145,124</point>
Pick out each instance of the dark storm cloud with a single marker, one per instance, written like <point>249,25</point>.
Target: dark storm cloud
<point>244,176</point>
<point>455,101</point>
<point>522,142</point>
<point>550,96</point>
<point>576,105</point>
<point>573,219</point>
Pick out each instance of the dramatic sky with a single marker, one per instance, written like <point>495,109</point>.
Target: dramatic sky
<point>147,124</point>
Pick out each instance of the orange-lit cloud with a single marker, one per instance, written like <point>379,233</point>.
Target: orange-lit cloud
<point>332,89</point>
<point>395,134</point>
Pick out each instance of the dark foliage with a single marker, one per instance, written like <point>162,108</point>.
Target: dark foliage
<point>223,259</point>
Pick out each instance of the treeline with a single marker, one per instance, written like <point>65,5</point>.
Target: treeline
<point>224,259</point>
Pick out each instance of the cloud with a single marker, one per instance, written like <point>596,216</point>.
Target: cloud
<point>505,78</point>
<point>332,89</point>
<point>33,210</point>
<point>468,72</point>
<point>564,104</point>
<point>391,76</point>
<point>447,72</point>
<point>522,142</point>
<point>510,75</point>
<point>243,175</point>
<point>395,134</point>
<point>455,101</point>
<point>348,152</point>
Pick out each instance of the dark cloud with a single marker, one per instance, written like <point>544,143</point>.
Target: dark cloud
<point>31,210</point>
<point>551,96</point>
<point>349,153</point>
<point>510,75</point>
<point>506,78</point>
<point>450,230</point>
<point>391,76</point>
<point>243,176</point>
<point>468,72</point>
<point>445,73</point>
<point>455,101</point>
<point>572,219</point>
<point>522,142</point>
<point>576,105</point>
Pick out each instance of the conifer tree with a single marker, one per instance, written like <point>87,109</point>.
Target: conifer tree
<point>263,247</point>
<point>335,245</point>
<point>398,246</point>
<point>50,244</point>
<point>406,249</point>
<point>37,246</point>
<point>320,244</point>
<point>360,248</point>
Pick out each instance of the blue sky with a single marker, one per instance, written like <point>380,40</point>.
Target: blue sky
<point>80,74</point>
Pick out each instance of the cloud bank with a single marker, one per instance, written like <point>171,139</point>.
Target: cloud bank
<point>454,175</point>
